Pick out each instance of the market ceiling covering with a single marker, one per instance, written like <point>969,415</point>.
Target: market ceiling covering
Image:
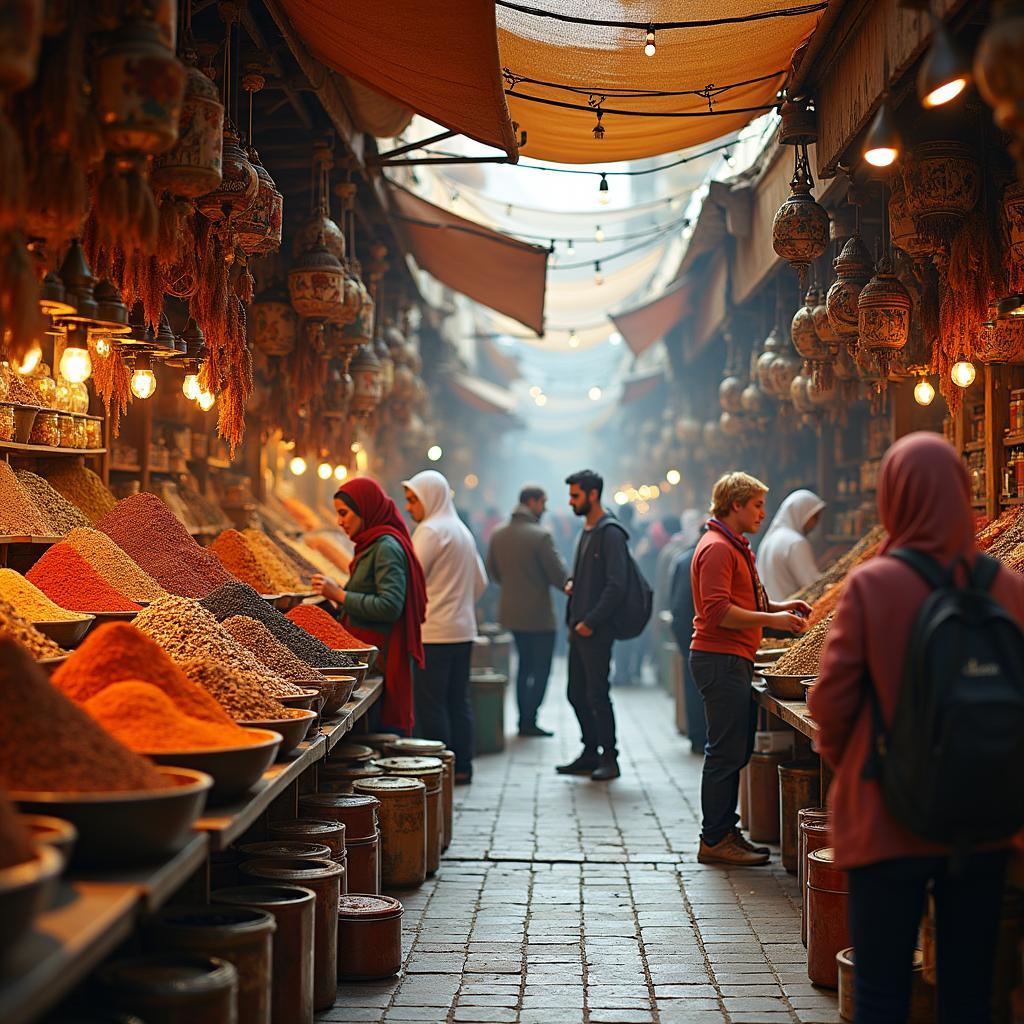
<point>735,65</point>
<point>497,271</point>
<point>646,324</point>
<point>439,59</point>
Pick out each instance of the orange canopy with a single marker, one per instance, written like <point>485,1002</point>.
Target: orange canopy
<point>646,324</point>
<point>495,270</point>
<point>440,59</point>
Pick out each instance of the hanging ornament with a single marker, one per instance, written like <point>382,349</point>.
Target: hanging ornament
<point>366,376</point>
<point>903,230</point>
<point>798,394</point>
<point>853,271</point>
<point>801,226</point>
<point>316,284</point>
<point>999,72</point>
<point>273,325</point>
<point>320,223</point>
<point>803,331</point>
<point>1013,219</point>
<point>732,424</point>
<point>730,395</point>
<point>799,125</point>
<point>785,366</point>
<point>770,349</point>
<point>225,205</point>
<point>822,325</point>
<point>942,184</point>
<point>259,229</point>
<point>883,309</point>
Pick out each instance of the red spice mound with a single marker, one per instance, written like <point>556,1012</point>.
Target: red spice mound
<point>117,652</point>
<point>67,578</point>
<point>48,743</point>
<point>324,627</point>
<point>146,528</point>
<point>144,718</point>
<point>16,845</point>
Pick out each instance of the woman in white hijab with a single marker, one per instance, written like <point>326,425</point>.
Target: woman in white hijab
<point>785,559</point>
<point>456,579</point>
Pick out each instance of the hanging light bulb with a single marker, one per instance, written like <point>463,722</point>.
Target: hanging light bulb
<point>325,471</point>
<point>190,387</point>
<point>602,191</point>
<point>206,400</point>
<point>32,359</point>
<point>362,460</point>
<point>924,393</point>
<point>143,379</point>
<point>882,143</point>
<point>598,234</point>
<point>598,276</point>
<point>574,339</point>
<point>103,348</point>
<point>649,47</point>
<point>75,362</point>
<point>340,472</point>
<point>945,71</point>
<point>434,453</point>
<point>594,394</point>
<point>570,248</point>
<point>673,476</point>
<point>963,373</point>
<point>541,401</point>
<point>297,466</point>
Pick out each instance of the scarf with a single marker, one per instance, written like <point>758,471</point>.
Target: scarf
<point>742,545</point>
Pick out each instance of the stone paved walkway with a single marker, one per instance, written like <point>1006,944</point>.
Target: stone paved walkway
<point>563,901</point>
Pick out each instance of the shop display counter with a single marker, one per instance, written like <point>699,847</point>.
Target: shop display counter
<point>793,712</point>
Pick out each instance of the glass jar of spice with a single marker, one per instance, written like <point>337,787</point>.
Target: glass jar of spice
<point>93,432</point>
<point>66,429</point>
<point>6,422</point>
<point>45,430</point>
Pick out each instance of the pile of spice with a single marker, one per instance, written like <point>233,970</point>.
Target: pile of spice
<point>18,391</point>
<point>59,513</point>
<point>67,578</point>
<point>302,556</point>
<point>145,719</point>
<point>238,558</point>
<point>144,526</point>
<point>16,846</point>
<point>804,657</point>
<point>238,599</point>
<point>19,515</point>
<point>331,549</point>
<point>29,601</point>
<point>258,640</point>
<point>864,549</point>
<point>39,645</point>
<point>82,487</point>
<point>118,652</point>
<point>302,514</point>
<point>314,620</point>
<point>205,511</point>
<point>284,574</point>
<point>118,568</point>
<point>210,656</point>
<point>48,743</point>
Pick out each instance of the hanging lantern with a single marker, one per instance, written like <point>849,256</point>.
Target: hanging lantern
<point>387,365</point>
<point>942,184</point>
<point>316,283</point>
<point>239,183</point>
<point>687,430</point>
<point>754,401</point>
<point>192,167</point>
<point>853,271</point>
<point>902,229</point>
<point>784,368</point>
<point>1013,215</point>
<point>999,72</point>
<point>259,228</point>
<point>366,375</point>
<point>883,310</point>
<point>317,225</point>
<point>732,424</point>
<point>798,394</point>
<point>714,439</point>
<point>803,330</point>
<point>273,325</point>
<point>822,392</point>
<point>772,347</point>
<point>730,395</point>
<point>823,326</point>
<point>800,229</point>
<point>799,123</point>
<point>1000,340</point>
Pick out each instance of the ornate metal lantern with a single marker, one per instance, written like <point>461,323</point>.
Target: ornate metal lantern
<point>800,229</point>
<point>853,270</point>
<point>239,183</point>
<point>316,283</point>
<point>273,324</point>
<point>942,184</point>
<point>259,229</point>
<point>883,310</point>
<point>804,332</point>
<point>730,395</point>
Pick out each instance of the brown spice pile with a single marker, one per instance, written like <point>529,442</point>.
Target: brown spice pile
<point>57,510</point>
<point>39,645</point>
<point>804,658</point>
<point>82,487</point>
<point>18,512</point>
<point>303,557</point>
<point>234,553</point>
<point>18,391</point>
<point>864,549</point>
<point>48,743</point>
<point>245,703</point>
<point>283,572</point>
<point>119,569</point>
<point>29,601</point>
<point>258,640</point>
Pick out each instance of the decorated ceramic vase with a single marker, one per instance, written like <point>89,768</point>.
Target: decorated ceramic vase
<point>804,332</point>
<point>853,268</point>
<point>273,324</point>
<point>883,309</point>
<point>259,228</point>
<point>239,182</point>
<point>316,284</point>
<point>942,181</point>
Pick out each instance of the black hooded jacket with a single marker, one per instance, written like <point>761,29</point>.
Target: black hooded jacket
<point>600,570</point>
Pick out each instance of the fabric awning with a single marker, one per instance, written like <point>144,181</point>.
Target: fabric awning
<point>502,364</point>
<point>713,78</point>
<point>497,271</point>
<point>646,324</point>
<point>441,60</point>
<point>482,395</point>
<point>639,387</point>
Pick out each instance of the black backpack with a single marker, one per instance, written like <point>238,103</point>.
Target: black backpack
<point>634,612</point>
<point>950,764</point>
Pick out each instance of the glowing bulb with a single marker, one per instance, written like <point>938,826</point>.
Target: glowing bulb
<point>945,70</point>
<point>143,379</point>
<point>945,93</point>
<point>621,498</point>
<point>206,400</point>
<point>434,453</point>
<point>541,400</point>
<point>598,234</point>
<point>190,387</point>
<point>75,364</point>
<point>574,340</point>
<point>603,196</point>
<point>673,476</point>
<point>594,394</point>
<point>649,48</point>
<point>32,359</point>
<point>325,471</point>
<point>362,460</point>
<point>924,393</point>
<point>882,156</point>
<point>598,276</point>
<point>963,373</point>
<point>297,466</point>
<point>534,391</point>
<point>340,472</point>
<point>615,339</point>
<point>570,248</point>
<point>882,143</point>
<point>103,347</point>
<point>471,481</point>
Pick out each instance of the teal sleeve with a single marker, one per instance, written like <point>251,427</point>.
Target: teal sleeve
<point>386,603</point>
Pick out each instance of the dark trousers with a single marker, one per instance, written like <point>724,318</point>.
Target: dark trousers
<point>443,710</point>
<point>590,692</point>
<point>696,725</point>
<point>731,714</point>
<point>534,651</point>
<point>885,907</point>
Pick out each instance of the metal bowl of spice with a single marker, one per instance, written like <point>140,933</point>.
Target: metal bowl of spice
<point>358,672</point>
<point>55,832</point>
<point>292,730</point>
<point>336,692</point>
<point>785,687</point>
<point>66,632</point>
<point>102,617</point>
<point>130,826</point>
<point>304,699</point>
<point>25,892</point>
<point>363,655</point>
<point>52,664</point>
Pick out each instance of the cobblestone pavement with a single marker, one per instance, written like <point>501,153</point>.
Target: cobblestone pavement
<point>563,901</point>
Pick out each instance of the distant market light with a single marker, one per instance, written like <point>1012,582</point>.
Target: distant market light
<point>297,466</point>
<point>673,476</point>
<point>434,453</point>
<point>325,471</point>
<point>594,394</point>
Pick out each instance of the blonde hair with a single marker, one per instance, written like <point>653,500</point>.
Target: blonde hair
<point>732,488</point>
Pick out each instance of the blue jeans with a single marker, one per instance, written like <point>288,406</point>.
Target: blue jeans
<point>534,651</point>
<point>443,709</point>
<point>724,683</point>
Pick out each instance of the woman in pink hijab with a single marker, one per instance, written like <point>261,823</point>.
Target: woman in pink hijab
<point>924,504</point>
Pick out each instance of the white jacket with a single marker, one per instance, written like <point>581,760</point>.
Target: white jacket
<point>785,559</point>
<point>451,564</point>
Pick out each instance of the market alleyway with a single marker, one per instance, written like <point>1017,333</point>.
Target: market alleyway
<point>562,901</point>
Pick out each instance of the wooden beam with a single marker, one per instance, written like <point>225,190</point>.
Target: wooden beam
<point>256,35</point>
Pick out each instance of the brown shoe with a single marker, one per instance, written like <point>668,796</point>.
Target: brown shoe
<point>729,851</point>
<point>744,842</point>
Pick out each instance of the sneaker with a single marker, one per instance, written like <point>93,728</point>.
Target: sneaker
<point>729,852</point>
<point>743,841</point>
<point>586,763</point>
<point>607,770</point>
<point>533,730</point>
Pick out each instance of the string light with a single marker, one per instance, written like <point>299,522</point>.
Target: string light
<point>574,339</point>
<point>963,373</point>
<point>594,394</point>
<point>924,393</point>
<point>598,276</point>
<point>673,476</point>
<point>599,128</point>
<point>602,191</point>
<point>340,472</point>
<point>297,466</point>
<point>649,47</point>
<point>621,498</point>
<point>434,453</point>
<point>143,379</point>
<point>598,234</point>
<point>206,400</point>
<point>190,387</point>
<point>471,481</point>
<point>325,471</point>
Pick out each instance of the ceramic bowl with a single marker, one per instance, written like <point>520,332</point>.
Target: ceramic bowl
<point>292,730</point>
<point>66,632</point>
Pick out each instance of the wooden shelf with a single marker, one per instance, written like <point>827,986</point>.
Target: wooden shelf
<point>792,712</point>
<point>1007,502</point>
<point>45,449</point>
<point>7,538</point>
<point>1012,439</point>
<point>124,467</point>
<point>974,446</point>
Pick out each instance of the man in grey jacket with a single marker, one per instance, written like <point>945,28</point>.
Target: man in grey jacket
<point>523,561</point>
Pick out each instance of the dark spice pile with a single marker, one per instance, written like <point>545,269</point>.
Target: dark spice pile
<point>260,642</point>
<point>238,599</point>
<point>49,743</point>
<point>146,528</point>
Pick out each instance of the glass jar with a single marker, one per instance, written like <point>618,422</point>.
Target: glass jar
<point>79,398</point>
<point>66,429</point>
<point>45,388</point>
<point>6,422</point>
<point>78,434</point>
<point>93,432</point>
<point>45,430</point>
<point>62,398</point>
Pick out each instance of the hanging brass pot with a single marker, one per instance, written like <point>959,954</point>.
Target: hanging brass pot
<point>259,228</point>
<point>853,270</point>
<point>387,365</point>
<point>273,325</point>
<point>902,229</point>
<point>687,430</point>
<point>754,401</point>
<point>942,182</point>
<point>316,283</point>
<point>730,395</point>
<point>800,230</point>
<point>784,368</point>
<point>883,310</point>
<point>804,332</point>
<point>772,347</point>
<point>798,394</point>
<point>732,424</point>
<point>366,376</point>
<point>237,189</point>
<point>822,324</point>
<point>320,226</point>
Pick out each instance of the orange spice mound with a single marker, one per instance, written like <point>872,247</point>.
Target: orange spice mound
<point>239,559</point>
<point>117,652</point>
<point>826,604</point>
<point>302,514</point>
<point>145,719</point>
<point>324,627</point>
<point>330,549</point>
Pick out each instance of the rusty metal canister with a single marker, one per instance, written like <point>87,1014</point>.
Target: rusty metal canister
<point>763,807</point>
<point>922,995</point>
<point>341,778</point>
<point>827,927</point>
<point>293,909</point>
<point>812,824</point>
<point>403,828</point>
<point>311,830</point>
<point>369,937</point>
<point>364,874</point>
<point>448,797</point>
<point>324,878</point>
<point>242,936</point>
<point>283,850</point>
<point>414,747</point>
<point>376,741</point>
<point>172,988</point>
<point>348,753</point>
<point>430,771</point>
<point>799,787</point>
<point>357,812</point>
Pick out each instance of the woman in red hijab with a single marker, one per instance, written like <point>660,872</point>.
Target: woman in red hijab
<point>385,599</point>
<point>924,504</point>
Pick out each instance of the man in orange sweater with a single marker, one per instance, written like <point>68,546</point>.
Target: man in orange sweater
<point>730,610</point>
